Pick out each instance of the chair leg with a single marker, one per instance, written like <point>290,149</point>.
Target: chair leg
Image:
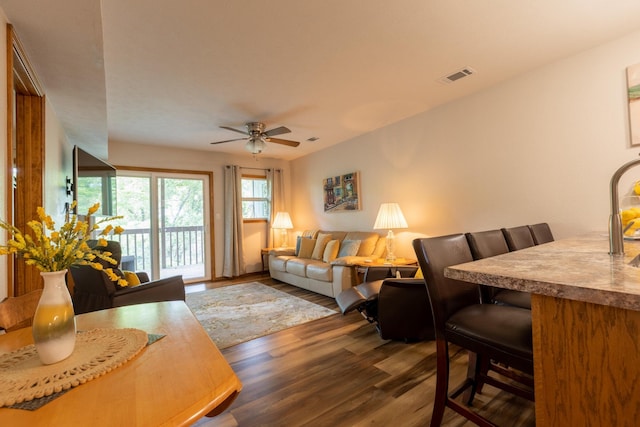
<point>442,382</point>
<point>485,366</point>
<point>476,364</point>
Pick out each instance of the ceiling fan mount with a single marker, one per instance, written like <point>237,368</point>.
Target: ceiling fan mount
<point>257,136</point>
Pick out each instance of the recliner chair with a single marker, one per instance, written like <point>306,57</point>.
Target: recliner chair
<point>399,307</point>
<point>93,290</point>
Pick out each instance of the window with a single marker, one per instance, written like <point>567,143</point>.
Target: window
<point>256,199</point>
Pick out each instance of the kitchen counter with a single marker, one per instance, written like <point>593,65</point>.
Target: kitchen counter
<point>585,308</point>
<point>578,268</point>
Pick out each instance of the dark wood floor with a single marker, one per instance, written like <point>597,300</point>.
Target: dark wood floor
<point>337,371</point>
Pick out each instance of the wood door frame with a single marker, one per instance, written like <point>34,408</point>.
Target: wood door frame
<point>25,144</point>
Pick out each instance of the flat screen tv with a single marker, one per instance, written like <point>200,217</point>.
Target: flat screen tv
<point>94,181</point>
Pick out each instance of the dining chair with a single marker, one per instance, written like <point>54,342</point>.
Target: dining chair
<point>17,312</point>
<point>541,233</point>
<point>484,244</point>
<point>490,332</point>
<point>518,237</point>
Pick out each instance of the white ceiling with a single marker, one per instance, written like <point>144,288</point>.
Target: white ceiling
<point>171,72</point>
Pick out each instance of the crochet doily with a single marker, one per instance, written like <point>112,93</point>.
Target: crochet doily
<point>23,377</point>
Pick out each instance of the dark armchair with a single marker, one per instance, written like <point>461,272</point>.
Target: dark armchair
<point>93,290</point>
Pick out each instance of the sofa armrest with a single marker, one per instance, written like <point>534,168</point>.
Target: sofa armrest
<point>349,260</point>
<point>282,251</point>
<point>168,289</point>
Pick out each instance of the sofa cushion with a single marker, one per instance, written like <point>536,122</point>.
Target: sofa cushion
<point>298,266</point>
<point>331,251</point>
<point>349,248</point>
<point>337,235</point>
<point>279,263</point>
<point>320,271</point>
<point>321,243</point>
<point>367,239</point>
<point>306,247</point>
<point>310,233</point>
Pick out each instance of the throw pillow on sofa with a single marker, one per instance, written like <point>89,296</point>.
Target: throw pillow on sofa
<point>349,248</point>
<point>297,251</point>
<point>321,243</point>
<point>331,251</point>
<point>306,247</point>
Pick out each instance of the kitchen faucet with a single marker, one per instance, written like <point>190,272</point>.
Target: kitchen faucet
<point>616,238</point>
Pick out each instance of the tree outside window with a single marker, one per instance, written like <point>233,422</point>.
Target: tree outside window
<point>256,199</point>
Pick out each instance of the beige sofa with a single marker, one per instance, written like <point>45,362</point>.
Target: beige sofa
<point>323,261</point>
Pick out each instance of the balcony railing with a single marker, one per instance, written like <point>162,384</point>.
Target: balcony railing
<point>180,248</point>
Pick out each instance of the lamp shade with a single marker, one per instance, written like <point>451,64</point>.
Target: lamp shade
<point>282,221</point>
<point>390,216</point>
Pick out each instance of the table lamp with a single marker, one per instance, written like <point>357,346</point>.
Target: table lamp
<point>282,222</point>
<point>389,217</point>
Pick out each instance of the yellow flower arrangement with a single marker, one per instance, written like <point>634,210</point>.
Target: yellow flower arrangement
<point>65,247</point>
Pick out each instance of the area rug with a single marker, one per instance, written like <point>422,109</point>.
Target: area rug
<point>239,313</point>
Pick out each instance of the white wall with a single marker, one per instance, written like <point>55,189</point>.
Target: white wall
<point>58,166</point>
<point>540,147</point>
<point>129,154</point>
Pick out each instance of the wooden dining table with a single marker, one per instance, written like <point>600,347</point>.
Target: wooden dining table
<point>175,381</point>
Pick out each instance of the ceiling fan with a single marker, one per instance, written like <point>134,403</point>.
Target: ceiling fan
<point>257,136</point>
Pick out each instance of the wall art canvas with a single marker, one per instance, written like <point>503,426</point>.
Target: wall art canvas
<point>342,193</point>
<point>633,85</point>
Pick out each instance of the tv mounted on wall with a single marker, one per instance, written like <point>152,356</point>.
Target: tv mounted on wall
<point>94,181</point>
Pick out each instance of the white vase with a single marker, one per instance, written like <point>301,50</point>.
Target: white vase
<point>54,324</point>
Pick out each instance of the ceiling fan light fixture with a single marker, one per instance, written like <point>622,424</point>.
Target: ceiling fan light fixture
<point>255,145</point>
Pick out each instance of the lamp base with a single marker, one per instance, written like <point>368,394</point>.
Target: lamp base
<point>390,246</point>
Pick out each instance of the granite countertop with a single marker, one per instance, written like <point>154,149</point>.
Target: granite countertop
<point>577,268</point>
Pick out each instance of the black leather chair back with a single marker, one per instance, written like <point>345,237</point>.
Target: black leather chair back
<point>518,237</point>
<point>541,233</point>
<point>447,296</point>
<point>490,243</point>
<point>484,244</point>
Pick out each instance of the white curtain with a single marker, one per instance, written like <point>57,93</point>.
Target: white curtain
<point>233,264</point>
<point>276,188</point>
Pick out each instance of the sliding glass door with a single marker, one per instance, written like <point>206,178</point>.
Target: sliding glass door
<point>165,216</point>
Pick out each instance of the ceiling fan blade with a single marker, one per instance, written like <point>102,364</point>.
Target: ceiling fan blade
<point>284,142</point>
<point>244,132</point>
<point>277,131</point>
<point>228,140</point>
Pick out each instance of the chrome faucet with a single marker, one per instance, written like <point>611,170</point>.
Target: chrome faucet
<point>616,237</point>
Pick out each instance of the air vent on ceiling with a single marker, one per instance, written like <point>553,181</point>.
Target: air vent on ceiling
<point>457,75</point>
